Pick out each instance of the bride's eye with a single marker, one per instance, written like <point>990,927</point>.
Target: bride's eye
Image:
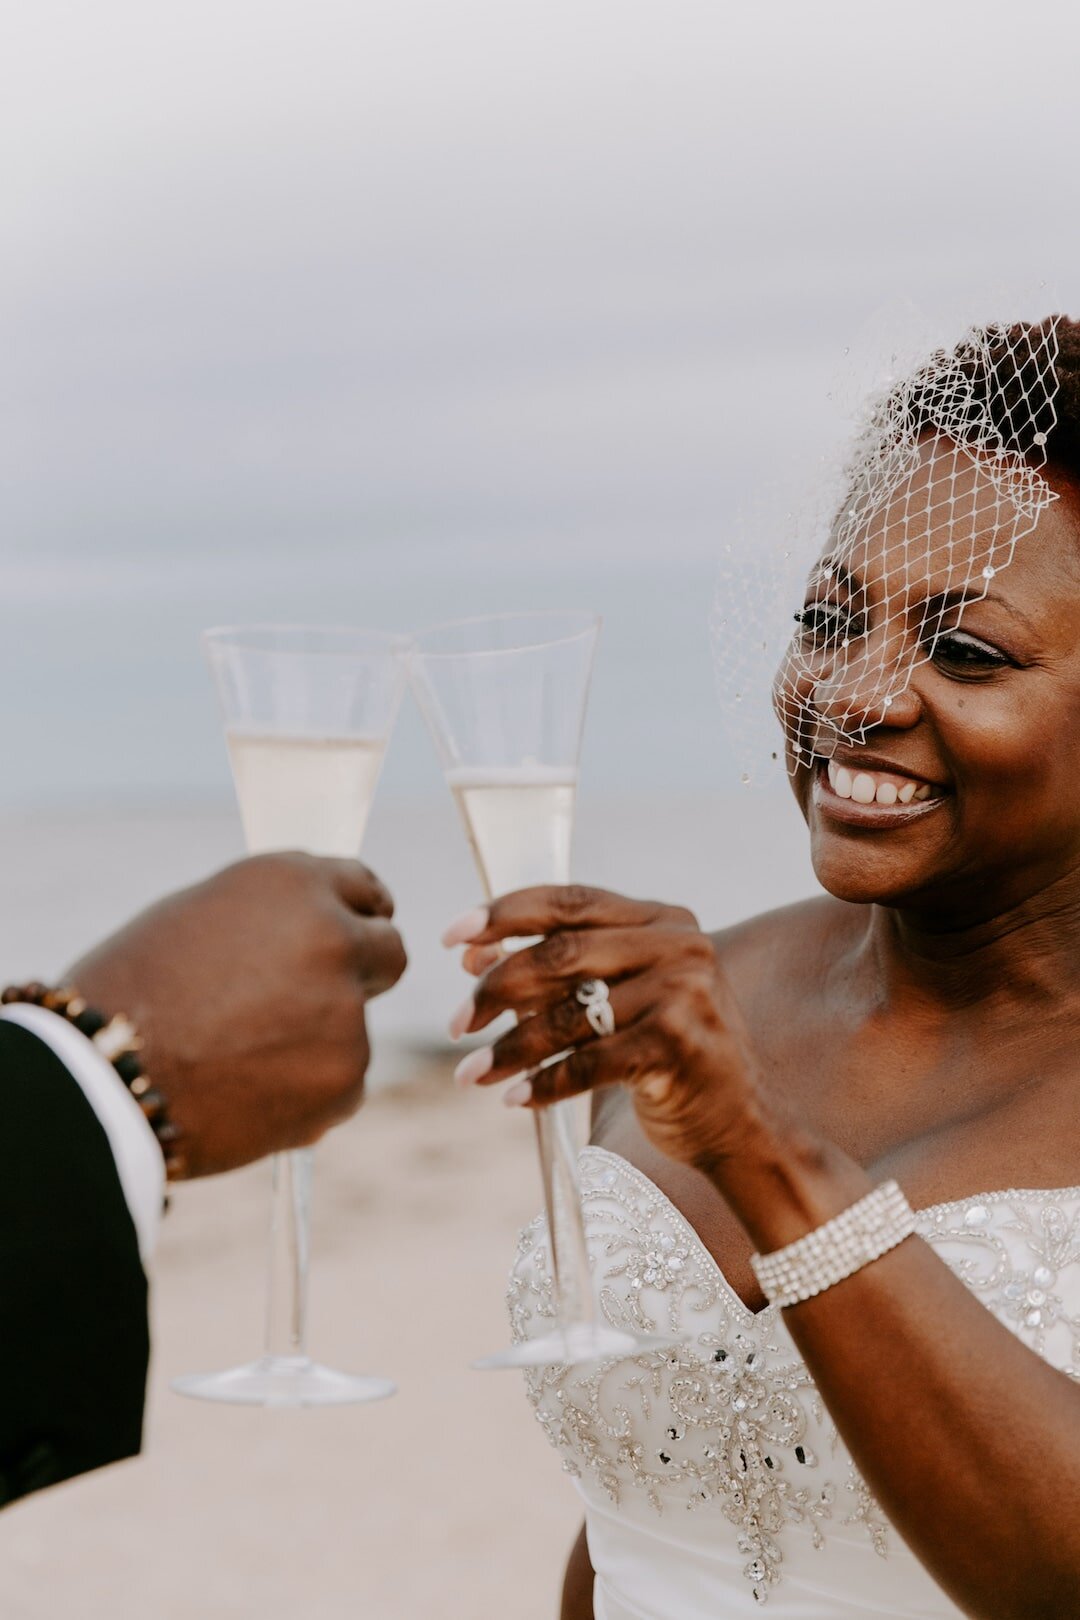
<point>824,624</point>
<point>957,653</point>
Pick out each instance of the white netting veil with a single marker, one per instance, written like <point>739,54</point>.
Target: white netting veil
<point>943,481</point>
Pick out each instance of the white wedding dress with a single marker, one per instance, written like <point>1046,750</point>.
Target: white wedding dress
<point>712,1477</point>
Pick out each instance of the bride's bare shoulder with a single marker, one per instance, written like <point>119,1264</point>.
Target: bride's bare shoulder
<point>787,946</point>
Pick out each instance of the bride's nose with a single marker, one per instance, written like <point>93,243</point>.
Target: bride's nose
<point>866,691</point>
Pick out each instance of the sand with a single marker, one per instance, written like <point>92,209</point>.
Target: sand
<point>443,1501</point>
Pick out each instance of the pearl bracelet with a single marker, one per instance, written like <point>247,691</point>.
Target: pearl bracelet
<point>839,1248</point>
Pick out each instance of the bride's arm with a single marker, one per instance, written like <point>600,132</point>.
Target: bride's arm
<point>577,1592</point>
<point>968,1439</point>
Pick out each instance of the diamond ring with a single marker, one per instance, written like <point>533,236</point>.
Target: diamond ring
<point>595,998</point>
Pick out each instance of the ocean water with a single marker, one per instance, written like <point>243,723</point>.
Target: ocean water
<point>68,878</point>
<point>116,707</point>
<point>114,779</point>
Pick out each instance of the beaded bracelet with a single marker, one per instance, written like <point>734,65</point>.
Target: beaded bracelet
<point>839,1248</point>
<point>119,1042</point>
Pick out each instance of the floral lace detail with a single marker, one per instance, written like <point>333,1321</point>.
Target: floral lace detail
<point>730,1420</point>
<point>1019,1252</point>
<point>725,1418</point>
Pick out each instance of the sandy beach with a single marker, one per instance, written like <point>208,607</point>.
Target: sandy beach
<point>446,1500</point>
<point>404,313</point>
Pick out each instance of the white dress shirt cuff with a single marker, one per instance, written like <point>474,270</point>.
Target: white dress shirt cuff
<point>139,1163</point>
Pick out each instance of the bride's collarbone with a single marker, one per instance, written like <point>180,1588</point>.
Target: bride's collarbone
<point>947,1119</point>
<point>947,1107</point>
<point>945,1131</point>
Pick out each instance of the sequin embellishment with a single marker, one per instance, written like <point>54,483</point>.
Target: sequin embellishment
<point>729,1420</point>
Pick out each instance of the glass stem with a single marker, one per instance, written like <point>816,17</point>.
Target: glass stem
<point>556,1138</point>
<point>286,1296</point>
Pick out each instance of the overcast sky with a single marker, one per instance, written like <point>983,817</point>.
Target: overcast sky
<point>433,303</point>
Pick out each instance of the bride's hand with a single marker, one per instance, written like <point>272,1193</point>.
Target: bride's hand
<point>679,1042</point>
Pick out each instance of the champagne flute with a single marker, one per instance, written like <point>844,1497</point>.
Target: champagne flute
<point>504,699</point>
<point>308,713</point>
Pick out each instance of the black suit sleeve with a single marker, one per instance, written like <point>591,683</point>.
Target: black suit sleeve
<point>74,1341</point>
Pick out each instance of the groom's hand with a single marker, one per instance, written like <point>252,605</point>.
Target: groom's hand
<point>249,992</point>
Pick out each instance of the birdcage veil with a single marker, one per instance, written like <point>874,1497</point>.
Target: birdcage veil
<point>942,480</point>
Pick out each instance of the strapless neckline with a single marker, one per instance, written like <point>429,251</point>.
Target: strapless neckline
<point>712,1475</point>
<point>930,1212</point>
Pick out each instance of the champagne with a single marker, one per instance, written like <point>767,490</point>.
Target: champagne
<point>311,793</point>
<point>519,820</point>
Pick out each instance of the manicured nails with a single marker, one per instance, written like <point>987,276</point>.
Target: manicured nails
<point>476,959</point>
<point>474,1066</point>
<point>517,1095</point>
<point>462,1018</point>
<point>467,927</point>
<point>656,1088</point>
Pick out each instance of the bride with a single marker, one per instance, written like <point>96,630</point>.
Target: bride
<point>883,1419</point>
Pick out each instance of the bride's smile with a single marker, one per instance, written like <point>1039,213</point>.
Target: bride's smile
<point>865,793</point>
<point>772,1088</point>
<point>958,797</point>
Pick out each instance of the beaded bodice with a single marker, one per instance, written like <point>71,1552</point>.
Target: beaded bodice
<point>723,1442</point>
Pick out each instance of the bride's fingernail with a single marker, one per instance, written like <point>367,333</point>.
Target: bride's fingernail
<point>517,1095</point>
<point>462,1018</point>
<point>656,1088</point>
<point>467,926</point>
<point>478,958</point>
<point>474,1066</point>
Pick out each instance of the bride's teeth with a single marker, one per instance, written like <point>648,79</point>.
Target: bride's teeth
<point>866,788</point>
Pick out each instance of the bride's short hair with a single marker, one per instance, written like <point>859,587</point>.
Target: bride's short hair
<point>1002,375</point>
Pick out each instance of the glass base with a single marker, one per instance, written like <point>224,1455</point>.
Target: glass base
<point>574,1346</point>
<point>283,1381</point>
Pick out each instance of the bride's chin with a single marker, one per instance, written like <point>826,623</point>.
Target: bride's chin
<point>862,879</point>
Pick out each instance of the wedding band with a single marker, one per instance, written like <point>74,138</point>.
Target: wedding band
<point>596,1000</point>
